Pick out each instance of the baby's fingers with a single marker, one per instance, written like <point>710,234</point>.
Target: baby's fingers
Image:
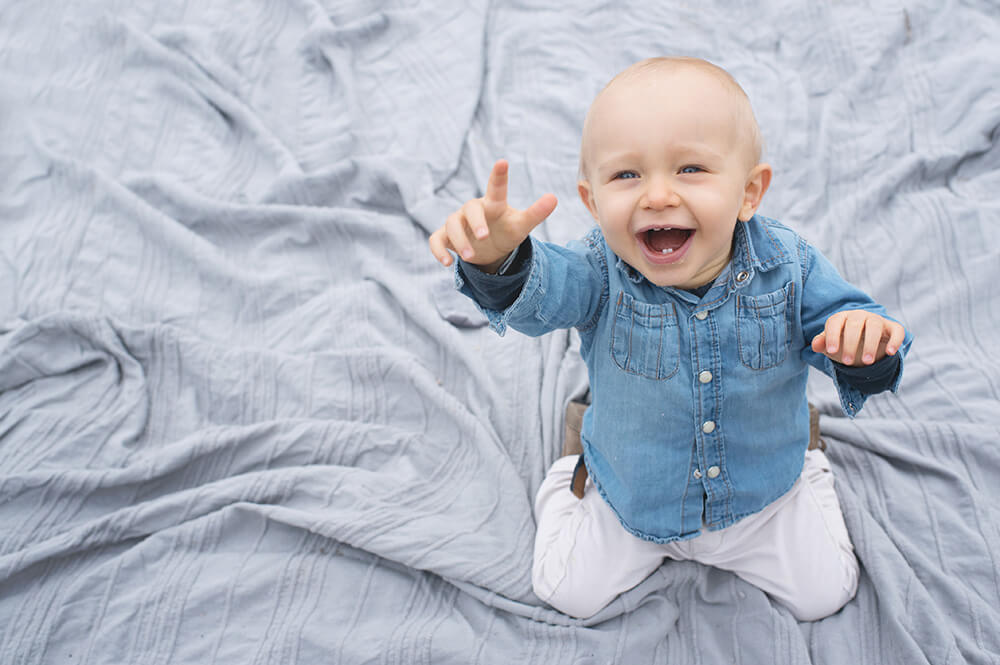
<point>819,343</point>
<point>538,212</point>
<point>440,245</point>
<point>475,217</point>
<point>896,336</point>
<point>496,186</point>
<point>854,327</point>
<point>873,337</point>
<point>458,237</point>
<point>831,332</point>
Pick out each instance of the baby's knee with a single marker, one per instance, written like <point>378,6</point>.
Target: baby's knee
<point>584,559</point>
<point>828,594</point>
<point>575,600</point>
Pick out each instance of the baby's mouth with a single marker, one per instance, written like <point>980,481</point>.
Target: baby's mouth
<point>665,239</point>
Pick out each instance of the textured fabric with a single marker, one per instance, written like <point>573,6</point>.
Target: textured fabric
<point>698,415</point>
<point>245,418</point>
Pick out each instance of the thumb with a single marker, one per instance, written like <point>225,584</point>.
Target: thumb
<point>538,212</point>
<point>819,343</point>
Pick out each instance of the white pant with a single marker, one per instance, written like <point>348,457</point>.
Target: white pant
<point>797,549</point>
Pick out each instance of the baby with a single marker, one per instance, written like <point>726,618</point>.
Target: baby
<point>698,321</point>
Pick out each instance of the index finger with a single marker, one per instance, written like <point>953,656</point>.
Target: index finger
<point>833,329</point>
<point>496,188</point>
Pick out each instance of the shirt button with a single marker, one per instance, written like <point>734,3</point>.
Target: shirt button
<point>713,472</point>
<point>705,376</point>
<point>696,474</point>
<point>742,276</point>
<point>708,426</point>
<point>702,315</point>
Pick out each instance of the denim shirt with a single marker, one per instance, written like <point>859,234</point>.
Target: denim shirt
<point>699,414</point>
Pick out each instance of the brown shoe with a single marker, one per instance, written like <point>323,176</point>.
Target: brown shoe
<point>578,483</point>
<point>572,445</point>
<point>571,432</point>
<point>815,441</point>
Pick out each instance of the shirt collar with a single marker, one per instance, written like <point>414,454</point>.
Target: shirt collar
<point>755,247</point>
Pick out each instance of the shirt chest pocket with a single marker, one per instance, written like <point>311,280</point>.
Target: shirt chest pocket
<point>764,327</point>
<point>645,338</point>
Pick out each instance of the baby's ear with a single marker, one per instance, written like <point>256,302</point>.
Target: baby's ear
<point>587,196</point>
<point>757,183</point>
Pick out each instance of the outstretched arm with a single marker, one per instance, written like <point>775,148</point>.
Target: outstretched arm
<point>847,334</point>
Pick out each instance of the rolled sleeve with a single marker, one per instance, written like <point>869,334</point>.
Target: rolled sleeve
<point>854,391</point>
<point>498,291</point>
<point>562,288</point>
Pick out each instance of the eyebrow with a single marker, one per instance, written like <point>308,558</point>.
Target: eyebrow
<point>682,150</point>
<point>617,157</point>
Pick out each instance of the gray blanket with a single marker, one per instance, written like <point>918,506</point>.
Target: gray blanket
<point>244,417</point>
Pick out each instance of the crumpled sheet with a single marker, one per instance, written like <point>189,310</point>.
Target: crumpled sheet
<point>245,418</point>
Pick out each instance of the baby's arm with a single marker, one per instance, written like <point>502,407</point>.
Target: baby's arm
<point>848,335</point>
<point>486,230</point>
<point>543,286</point>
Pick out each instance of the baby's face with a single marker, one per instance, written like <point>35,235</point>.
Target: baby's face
<point>669,170</point>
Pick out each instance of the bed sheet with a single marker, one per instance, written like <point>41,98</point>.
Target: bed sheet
<point>245,417</point>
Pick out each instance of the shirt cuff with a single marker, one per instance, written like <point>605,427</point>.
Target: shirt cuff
<point>499,291</point>
<point>870,379</point>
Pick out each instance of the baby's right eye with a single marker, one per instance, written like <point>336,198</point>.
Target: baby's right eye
<point>625,175</point>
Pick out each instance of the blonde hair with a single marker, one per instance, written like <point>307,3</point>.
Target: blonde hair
<point>665,64</point>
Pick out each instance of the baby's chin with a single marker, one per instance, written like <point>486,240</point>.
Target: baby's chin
<point>660,277</point>
<point>676,277</point>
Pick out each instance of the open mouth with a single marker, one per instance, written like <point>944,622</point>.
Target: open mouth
<point>664,244</point>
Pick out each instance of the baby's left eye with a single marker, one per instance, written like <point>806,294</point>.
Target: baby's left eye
<point>626,175</point>
<point>692,169</point>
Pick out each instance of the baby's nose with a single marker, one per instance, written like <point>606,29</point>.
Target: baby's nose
<point>660,194</point>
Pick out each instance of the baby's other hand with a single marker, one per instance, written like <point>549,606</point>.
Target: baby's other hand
<point>856,337</point>
<point>486,230</point>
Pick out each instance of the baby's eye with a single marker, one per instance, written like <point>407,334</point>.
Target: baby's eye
<point>625,175</point>
<point>692,169</point>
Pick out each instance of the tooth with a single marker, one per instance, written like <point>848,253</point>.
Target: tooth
<point>666,251</point>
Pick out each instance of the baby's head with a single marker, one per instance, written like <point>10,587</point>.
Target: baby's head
<point>670,160</point>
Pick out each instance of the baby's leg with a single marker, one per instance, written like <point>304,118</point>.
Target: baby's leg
<point>797,549</point>
<point>584,558</point>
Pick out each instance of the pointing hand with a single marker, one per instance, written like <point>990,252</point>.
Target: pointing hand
<point>486,230</point>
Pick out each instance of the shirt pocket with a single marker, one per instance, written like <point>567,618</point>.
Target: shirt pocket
<point>645,338</point>
<point>764,327</point>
